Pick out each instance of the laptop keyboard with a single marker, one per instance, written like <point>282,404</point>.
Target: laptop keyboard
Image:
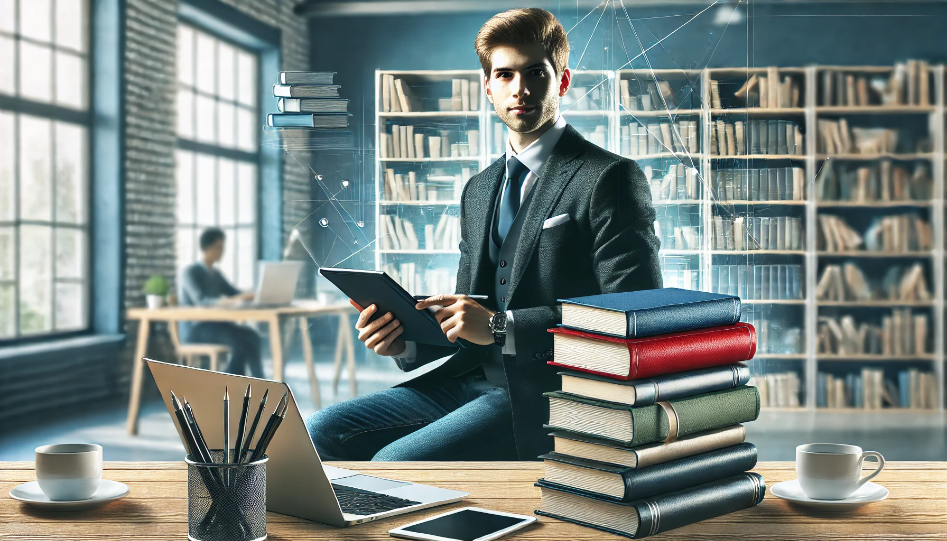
<point>362,502</point>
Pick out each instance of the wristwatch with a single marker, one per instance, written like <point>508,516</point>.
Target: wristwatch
<point>498,328</point>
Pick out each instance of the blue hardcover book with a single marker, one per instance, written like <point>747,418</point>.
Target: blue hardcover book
<point>308,120</point>
<point>650,312</point>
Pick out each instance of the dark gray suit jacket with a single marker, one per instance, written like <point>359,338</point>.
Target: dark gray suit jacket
<point>607,246</point>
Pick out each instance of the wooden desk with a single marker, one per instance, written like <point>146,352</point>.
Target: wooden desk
<point>273,317</point>
<point>156,508</point>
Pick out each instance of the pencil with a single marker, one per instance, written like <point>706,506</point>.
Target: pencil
<point>256,421</point>
<point>226,426</point>
<point>257,452</point>
<point>241,426</point>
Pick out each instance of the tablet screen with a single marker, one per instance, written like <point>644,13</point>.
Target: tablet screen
<point>465,525</point>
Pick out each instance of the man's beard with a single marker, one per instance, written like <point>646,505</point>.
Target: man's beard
<point>531,122</point>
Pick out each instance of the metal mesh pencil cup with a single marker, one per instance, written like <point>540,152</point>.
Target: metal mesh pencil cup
<point>226,502</point>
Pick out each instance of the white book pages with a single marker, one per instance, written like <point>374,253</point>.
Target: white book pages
<point>385,94</point>
<point>395,102</point>
<point>413,185</point>
<point>457,103</point>
<point>465,94</point>
<point>396,140</point>
<point>474,95</point>
<point>404,141</point>
<point>409,142</point>
<point>383,145</point>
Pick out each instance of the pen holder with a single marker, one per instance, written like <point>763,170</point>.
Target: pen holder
<point>226,501</point>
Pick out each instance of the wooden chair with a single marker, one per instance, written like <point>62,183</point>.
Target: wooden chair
<point>190,354</point>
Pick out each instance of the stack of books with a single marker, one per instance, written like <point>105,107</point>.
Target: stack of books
<point>647,426</point>
<point>312,115</point>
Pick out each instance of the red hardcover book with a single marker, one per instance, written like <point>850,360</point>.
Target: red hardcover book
<point>637,358</point>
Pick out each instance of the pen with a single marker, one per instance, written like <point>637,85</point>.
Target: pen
<point>202,452</point>
<point>241,426</point>
<point>272,432</point>
<point>226,426</point>
<point>266,431</point>
<point>186,433</point>
<point>256,421</point>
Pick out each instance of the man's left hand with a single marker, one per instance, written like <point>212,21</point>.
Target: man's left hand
<point>461,317</point>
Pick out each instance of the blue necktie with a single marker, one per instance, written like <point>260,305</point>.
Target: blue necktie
<point>510,203</point>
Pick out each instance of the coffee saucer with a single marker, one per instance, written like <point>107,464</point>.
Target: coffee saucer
<point>867,493</point>
<point>31,493</point>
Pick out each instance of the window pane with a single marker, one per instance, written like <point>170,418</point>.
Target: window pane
<point>226,66</point>
<point>7,311</point>
<point>35,281</point>
<point>246,194</point>
<point>34,169</point>
<point>35,18</point>
<point>36,64</point>
<point>6,253</point>
<point>246,257</point>
<point>186,247</point>
<point>226,206</point>
<point>246,78</point>
<point>70,253</point>
<point>70,306</point>
<point>71,21</point>
<point>206,72</point>
<point>205,119</point>
<point>71,173</point>
<point>227,261</point>
<point>185,55</point>
<point>7,14</point>
<point>206,192</point>
<point>186,114</point>
<point>225,124</point>
<point>7,66</point>
<point>70,80</point>
<point>7,150</point>
<point>185,191</point>
<point>246,130</point>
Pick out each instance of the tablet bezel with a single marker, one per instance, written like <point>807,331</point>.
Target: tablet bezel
<point>402,533</point>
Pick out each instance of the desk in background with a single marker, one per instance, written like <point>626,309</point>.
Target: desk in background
<point>273,317</point>
<point>156,508</point>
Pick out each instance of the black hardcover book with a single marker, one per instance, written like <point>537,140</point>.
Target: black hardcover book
<point>754,132</point>
<point>651,516</point>
<point>781,146</point>
<point>781,185</point>
<point>764,135</point>
<point>772,139</point>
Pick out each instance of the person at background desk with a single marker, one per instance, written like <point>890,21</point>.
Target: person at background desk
<point>201,284</point>
<point>556,217</point>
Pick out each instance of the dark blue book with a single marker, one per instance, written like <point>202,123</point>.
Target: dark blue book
<point>650,312</point>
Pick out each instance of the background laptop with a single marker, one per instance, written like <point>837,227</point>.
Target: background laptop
<point>297,483</point>
<point>277,285</point>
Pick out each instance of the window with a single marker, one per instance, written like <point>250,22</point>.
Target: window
<point>44,167</point>
<point>218,153</point>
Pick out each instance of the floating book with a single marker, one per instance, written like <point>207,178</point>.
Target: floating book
<point>643,392</point>
<point>635,314</point>
<point>592,448</point>
<point>598,479</point>
<point>308,120</point>
<point>638,358</point>
<point>651,516</point>
<point>314,105</point>
<point>306,91</point>
<point>650,424</point>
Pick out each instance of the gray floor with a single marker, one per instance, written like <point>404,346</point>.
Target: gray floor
<point>898,436</point>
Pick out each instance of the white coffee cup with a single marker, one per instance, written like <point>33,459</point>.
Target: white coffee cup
<point>69,471</point>
<point>832,471</point>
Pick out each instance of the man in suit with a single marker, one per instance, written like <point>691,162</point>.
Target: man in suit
<point>556,217</point>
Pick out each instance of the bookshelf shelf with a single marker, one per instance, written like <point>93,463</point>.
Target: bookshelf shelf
<point>759,157</point>
<point>863,253</point>
<point>433,160</point>
<point>766,203</point>
<point>781,356</point>
<point>432,114</point>
<point>420,252</point>
<point>774,301</point>
<point>878,410</point>
<point>679,252</point>
<point>760,111</point>
<point>884,156</point>
<point>585,112</point>
<point>419,203</point>
<point>662,155</point>
<point>875,109</point>
<point>757,252</point>
<point>873,204</point>
<point>877,357</point>
<point>678,202</point>
<point>659,113</point>
<point>878,304</point>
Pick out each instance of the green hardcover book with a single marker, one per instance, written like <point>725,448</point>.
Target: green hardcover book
<point>648,424</point>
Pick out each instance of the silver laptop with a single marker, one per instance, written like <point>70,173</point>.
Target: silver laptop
<point>297,483</point>
<point>277,285</point>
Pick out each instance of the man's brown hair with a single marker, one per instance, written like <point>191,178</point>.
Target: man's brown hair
<point>520,27</point>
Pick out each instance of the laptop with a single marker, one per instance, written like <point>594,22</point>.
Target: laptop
<point>297,483</point>
<point>277,285</point>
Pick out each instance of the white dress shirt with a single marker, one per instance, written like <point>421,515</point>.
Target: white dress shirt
<point>534,157</point>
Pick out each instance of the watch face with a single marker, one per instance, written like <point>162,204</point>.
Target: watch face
<point>498,322</point>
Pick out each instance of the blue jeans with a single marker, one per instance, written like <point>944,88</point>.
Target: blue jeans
<point>244,344</point>
<point>461,418</point>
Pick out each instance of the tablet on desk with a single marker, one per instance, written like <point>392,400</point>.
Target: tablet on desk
<point>367,287</point>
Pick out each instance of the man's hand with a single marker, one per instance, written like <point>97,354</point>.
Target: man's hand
<point>461,317</point>
<point>382,334</point>
<point>247,296</point>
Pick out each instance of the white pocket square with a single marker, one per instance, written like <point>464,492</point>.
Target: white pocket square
<point>556,220</point>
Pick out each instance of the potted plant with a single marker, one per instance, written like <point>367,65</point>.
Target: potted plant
<point>156,288</point>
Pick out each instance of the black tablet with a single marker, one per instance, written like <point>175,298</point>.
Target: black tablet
<point>367,287</point>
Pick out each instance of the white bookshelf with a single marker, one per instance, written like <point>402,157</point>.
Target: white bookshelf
<point>695,262</point>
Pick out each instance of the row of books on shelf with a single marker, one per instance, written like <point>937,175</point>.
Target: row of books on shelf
<point>617,451</point>
<point>396,233</point>
<point>581,98</point>
<point>769,137</point>
<point>420,281</point>
<point>903,333</point>
<point>762,91</point>
<point>776,334</point>
<point>678,183</point>
<point>847,282</point>
<point>897,233</point>
<point>655,95</point>
<point>837,137</point>
<point>779,390</point>
<point>598,134</point>
<point>871,390</point>
<point>403,142</point>
<point>437,185</point>
<point>908,84</point>
<point>739,233</point>
<point>767,184</point>
<point>660,137</point>
<point>881,181</point>
<point>398,97</point>
<point>676,237</point>
<point>758,282</point>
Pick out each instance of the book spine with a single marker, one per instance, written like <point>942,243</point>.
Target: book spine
<point>680,353</point>
<point>713,499</point>
<point>687,472</point>
<point>692,382</point>
<point>683,317</point>
<point>696,414</point>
